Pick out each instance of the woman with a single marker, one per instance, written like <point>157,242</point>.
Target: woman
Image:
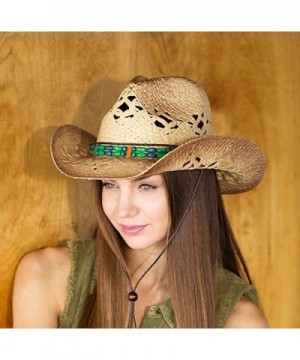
<point>164,255</point>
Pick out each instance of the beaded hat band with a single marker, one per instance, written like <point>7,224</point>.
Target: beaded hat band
<point>129,151</point>
<point>173,111</point>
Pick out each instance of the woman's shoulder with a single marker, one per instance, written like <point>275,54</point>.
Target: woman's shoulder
<point>40,287</point>
<point>42,264</point>
<point>51,261</point>
<point>238,302</point>
<point>246,314</point>
<point>44,257</point>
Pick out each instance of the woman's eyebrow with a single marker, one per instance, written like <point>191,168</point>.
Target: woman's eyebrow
<point>141,178</point>
<point>112,180</point>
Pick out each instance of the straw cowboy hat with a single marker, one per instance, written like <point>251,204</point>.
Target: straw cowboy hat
<point>158,125</point>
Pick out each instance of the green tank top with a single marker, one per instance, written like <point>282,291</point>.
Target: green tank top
<point>82,283</point>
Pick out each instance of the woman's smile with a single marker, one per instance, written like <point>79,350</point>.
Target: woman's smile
<point>132,230</point>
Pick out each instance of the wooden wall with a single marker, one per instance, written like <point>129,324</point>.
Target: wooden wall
<point>50,79</point>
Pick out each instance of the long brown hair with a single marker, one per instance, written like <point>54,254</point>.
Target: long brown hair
<point>200,244</point>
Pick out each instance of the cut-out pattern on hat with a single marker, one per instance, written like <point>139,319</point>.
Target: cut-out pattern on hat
<point>198,163</point>
<point>225,176</point>
<point>200,124</point>
<point>127,107</point>
<point>164,120</point>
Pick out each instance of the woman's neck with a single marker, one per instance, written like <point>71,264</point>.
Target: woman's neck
<point>139,261</point>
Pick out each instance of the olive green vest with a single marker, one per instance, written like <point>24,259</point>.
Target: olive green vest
<point>81,283</point>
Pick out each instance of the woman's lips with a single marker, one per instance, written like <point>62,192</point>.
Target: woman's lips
<point>132,229</point>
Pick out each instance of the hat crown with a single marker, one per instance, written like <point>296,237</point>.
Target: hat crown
<point>167,110</point>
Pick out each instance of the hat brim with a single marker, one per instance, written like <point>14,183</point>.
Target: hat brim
<point>239,163</point>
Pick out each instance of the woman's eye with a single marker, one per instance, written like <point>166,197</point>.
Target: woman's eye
<point>147,186</point>
<point>108,185</point>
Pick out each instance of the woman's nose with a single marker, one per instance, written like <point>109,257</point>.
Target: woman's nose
<point>127,206</point>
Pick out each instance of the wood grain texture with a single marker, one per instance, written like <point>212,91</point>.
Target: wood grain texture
<point>50,79</point>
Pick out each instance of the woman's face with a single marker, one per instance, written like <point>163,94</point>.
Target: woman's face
<point>139,210</point>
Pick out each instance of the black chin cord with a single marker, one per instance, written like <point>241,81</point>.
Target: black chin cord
<point>132,295</point>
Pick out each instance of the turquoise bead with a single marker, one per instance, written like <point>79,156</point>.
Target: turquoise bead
<point>151,150</point>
